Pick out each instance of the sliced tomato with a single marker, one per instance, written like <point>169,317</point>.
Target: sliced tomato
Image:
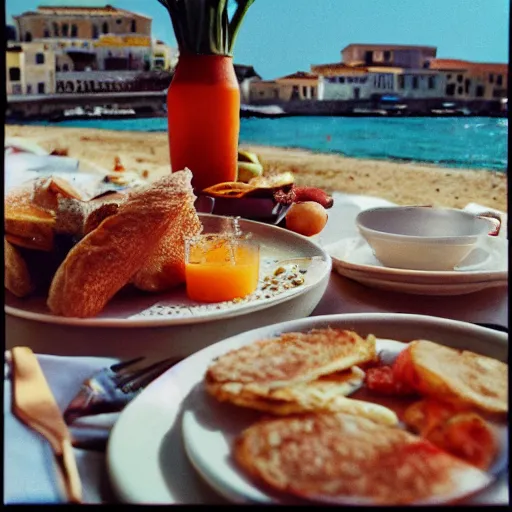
<point>403,370</point>
<point>382,380</point>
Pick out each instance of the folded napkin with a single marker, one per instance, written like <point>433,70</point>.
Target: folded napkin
<point>30,475</point>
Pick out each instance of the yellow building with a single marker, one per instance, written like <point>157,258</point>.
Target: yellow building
<point>14,64</point>
<point>30,69</point>
<point>79,23</point>
<point>298,86</point>
<point>165,58</point>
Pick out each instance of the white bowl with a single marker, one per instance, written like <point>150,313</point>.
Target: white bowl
<point>423,238</point>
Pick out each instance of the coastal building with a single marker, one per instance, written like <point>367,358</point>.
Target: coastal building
<point>165,57</point>
<point>95,49</point>
<point>297,86</point>
<point>388,55</point>
<point>79,23</point>
<point>30,69</point>
<point>472,80</point>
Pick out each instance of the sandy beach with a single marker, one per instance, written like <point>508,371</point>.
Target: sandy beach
<point>400,182</point>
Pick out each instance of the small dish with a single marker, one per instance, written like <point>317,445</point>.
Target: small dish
<point>424,238</point>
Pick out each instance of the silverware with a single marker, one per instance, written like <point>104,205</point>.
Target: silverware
<point>111,389</point>
<point>35,405</point>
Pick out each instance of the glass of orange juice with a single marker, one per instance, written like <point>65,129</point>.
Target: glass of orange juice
<point>221,267</point>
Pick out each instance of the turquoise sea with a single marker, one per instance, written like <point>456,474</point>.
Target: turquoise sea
<point>464,142</point>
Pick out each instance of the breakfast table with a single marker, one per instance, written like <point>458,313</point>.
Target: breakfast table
<point>64,353</point>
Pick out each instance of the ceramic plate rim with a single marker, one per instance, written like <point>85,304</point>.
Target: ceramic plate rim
<point>130,494</point>
<point>483,275</point>
<point>211,316</point>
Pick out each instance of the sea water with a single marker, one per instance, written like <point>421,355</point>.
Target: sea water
<point>459,142</point>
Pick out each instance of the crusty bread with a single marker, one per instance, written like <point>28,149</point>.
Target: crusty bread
<point>106,259</point>
<point>77,218</point>
<point>340,458</point>
<point>292,358</point>
<point>17,277</point>
<point>26,224</point>
<point>460,376</point>
<point>165,268</point>
<point>48,189</point>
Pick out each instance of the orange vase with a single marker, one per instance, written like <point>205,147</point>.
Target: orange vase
<point>203,109</point>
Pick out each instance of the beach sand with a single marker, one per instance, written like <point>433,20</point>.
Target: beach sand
<point>400,182</point>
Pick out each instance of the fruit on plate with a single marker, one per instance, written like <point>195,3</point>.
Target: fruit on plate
<point>248,156</point>
<point>307,218</point>
<point>249,166</point>
<point>274,181</point>
<point>232,189</point>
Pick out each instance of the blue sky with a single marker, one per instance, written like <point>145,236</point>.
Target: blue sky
<point>283,36</point>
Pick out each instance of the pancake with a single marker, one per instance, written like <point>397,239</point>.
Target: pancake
<point>460,376</point>
<point>291,358</point>
<point>327,393</point>
<point>339,458</point>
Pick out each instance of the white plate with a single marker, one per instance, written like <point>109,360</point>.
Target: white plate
<point>131,308</point>
<point>146,458</point>
<point>485,267</point>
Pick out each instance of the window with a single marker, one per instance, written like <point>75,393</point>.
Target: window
<point>65,67</point>
<point>105,28</point>
<point>95,32</point>
<point>467,84</point>
<point>119,21</point>
<point>448,76</point>
<point>29,88</point>
<point>14,74</point>
<point>28,37</point>
<point>57,68</point>
<point>74,30</point>
<point>368,57</point>
<point>401,81</point>
<point>415,82</point>
<point>304,91</point>
<point>460,90</point>
<point>46,33</point>
<point>40,88</point>
<point>341,79</point>
<point>65,30</point>
<point>499,80</point>
<point>387,56</point>
<point>313,92</point>
<point>431,82</point>
<point>459,78</point>
<point>39,58</point>
<point>134,26</point>
<point>491,78</point>
<point>56,30</point>
<point>450,89</point>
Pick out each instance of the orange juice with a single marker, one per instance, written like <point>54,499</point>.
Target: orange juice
<point>221,269</point>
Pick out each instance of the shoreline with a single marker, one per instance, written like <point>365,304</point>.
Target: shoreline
<point>397,181</point>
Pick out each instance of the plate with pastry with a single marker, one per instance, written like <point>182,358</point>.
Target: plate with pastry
<point>362,409</point>
<point>145,258</point>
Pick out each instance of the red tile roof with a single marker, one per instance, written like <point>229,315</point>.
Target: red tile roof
<point>457,64</point>
<point>299,74</point>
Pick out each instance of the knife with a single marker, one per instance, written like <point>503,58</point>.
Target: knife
<point>34,404</point>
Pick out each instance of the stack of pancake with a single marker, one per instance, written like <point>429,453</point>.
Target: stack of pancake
<point>81,253</point>
<point>316,442</point>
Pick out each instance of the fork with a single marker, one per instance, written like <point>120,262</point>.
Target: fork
<point>111,389</point>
